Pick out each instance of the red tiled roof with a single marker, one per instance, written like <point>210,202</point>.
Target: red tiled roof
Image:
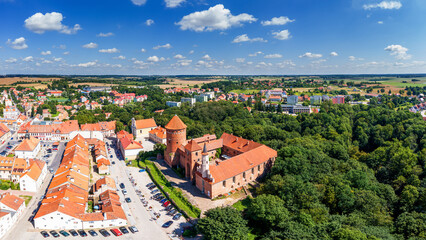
<point>145,123</point>
<point>159,132</point>
<point>175,124</point>
<point>11,201</point>
<point>29,144</point>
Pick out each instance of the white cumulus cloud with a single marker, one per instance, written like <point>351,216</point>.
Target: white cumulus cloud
<point>88,64</point>
<point>282,35</point>
<point>334,54</point>
<point>108,34</point>
<point>174,3</point>
<point>240,60</point>
<point>155,59</point>
<point>139,2</point>
<point>352,58</point>
<point>276,55</point>
<point>28,59</point>
<point>398,51</point>
<point>215,18</point>
<point>277,21</point>
<point>121,57</point>
<point>255,54</point>
<point>384,5</point>
<point>17,44</point>
<point>311,55</point>
<point>40,23</point>
<point>166,46</point>
<point>206,57</point>
<point>44,53</point>
<point>90,45</point>
<point>149,22</point>
<point>246,38</point>
<point>110,50</point>
<point>11,60</point>
<point>179,56</point>
<point>143,50</point>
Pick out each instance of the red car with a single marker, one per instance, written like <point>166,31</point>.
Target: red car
<point>116,232</point>
<point>55,149</point>
<point>167,203</point>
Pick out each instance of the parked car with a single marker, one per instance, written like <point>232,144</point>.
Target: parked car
<point>163,200</point>
<point>167,224</point>
<point>150,184</point>
<point>128,200</point>
<point>177,216</point>
<point>124,230</point>
<point>55,149</point>
<point>64,233</point>
<point>54,234</point>
<point>116,232</point>
<point>166,204</point>
<point>113,162</point>
<point>73,233</point>
<point>92,233</point>
<point>172,212</point>
<point>124,191</point>
<point>110,156</point>
<point>152,187</point>
<point>133,229</point>
<point>104,233</point>
<point>168,208</point>
<point>82,233</point>
<point>155,191</point>
<point>44,234</point>
<point>142,170</point>
<point>157,195</point>
<point>122,186</point>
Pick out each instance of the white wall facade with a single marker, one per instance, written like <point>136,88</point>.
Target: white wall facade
<point>28,154</point>
<point>131,154</point>
<point>57,220</point>
<point>88,134</point>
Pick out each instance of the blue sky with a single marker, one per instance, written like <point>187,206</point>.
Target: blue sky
<point>212,37</point>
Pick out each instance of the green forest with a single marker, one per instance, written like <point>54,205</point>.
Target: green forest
<point>348,172</point>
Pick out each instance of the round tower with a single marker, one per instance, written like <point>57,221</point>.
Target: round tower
<point>176,136</point>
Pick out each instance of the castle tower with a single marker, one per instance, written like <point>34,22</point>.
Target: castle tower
<point>205,162</point>
<point>176,136</point>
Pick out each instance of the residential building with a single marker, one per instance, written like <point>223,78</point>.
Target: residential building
<point>49,131</point>
<point>4,133</point>
<point>242,162</point>
<point>33,177</point>
<point>316,100</point>
<point>191,101</point>
<point>158,135</point>
<point>201,98</point>
<point>173,104</point>
<point>11,208</point>
<point>12,168</point>
<point>293,99</point>
<point>141,128</point>
<point>28,148</point>
<point>338,99</point>
<point>11,112</point>
<point>129,148</point>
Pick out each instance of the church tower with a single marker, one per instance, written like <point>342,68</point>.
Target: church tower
<point>205,162</point>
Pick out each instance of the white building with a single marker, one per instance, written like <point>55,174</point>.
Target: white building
<point>191,101</point>
<point>141,128</point>
<point>11,112</point>
<point>28,148</point>
<point>33,177</point>
<point>129,148</point>
<point>173,104</point>
<point>11,207</point>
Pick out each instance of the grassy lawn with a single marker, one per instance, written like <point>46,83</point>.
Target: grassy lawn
<point>26,198</point>
<point>174,193</point>
<point>10,155</point>
<point>136,164</point>
<point>242,204</point>
<point>245,91</point>
<point>59,99</point>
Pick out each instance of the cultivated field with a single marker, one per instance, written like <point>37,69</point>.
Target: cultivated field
<point>180,83</point>
<point>12,80</point>
<point>93,84</point>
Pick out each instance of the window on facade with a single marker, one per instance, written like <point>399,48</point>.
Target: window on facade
<point>252,171</point>
<point>244,175</point>
<point>258,168</point>
<point>233,179</point>
<point>224,183</point>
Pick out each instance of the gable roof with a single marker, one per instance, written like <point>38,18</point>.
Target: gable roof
<point>11,201</point>
<point>35,169</point>
<point>192,146</point>
<point>145,123</point>
<point>159,132</point>
<point>241,163</point>
<point>175,124</point>
<point>29,144</point>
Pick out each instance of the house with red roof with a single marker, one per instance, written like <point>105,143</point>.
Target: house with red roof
<point>158,135</point>
<point>129,148</point>
<point>33,177</point>
<point>11,208</point>
<point>141,128</point>
<point>28,148</point>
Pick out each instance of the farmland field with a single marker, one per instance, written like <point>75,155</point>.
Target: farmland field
<point>245,91</point>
